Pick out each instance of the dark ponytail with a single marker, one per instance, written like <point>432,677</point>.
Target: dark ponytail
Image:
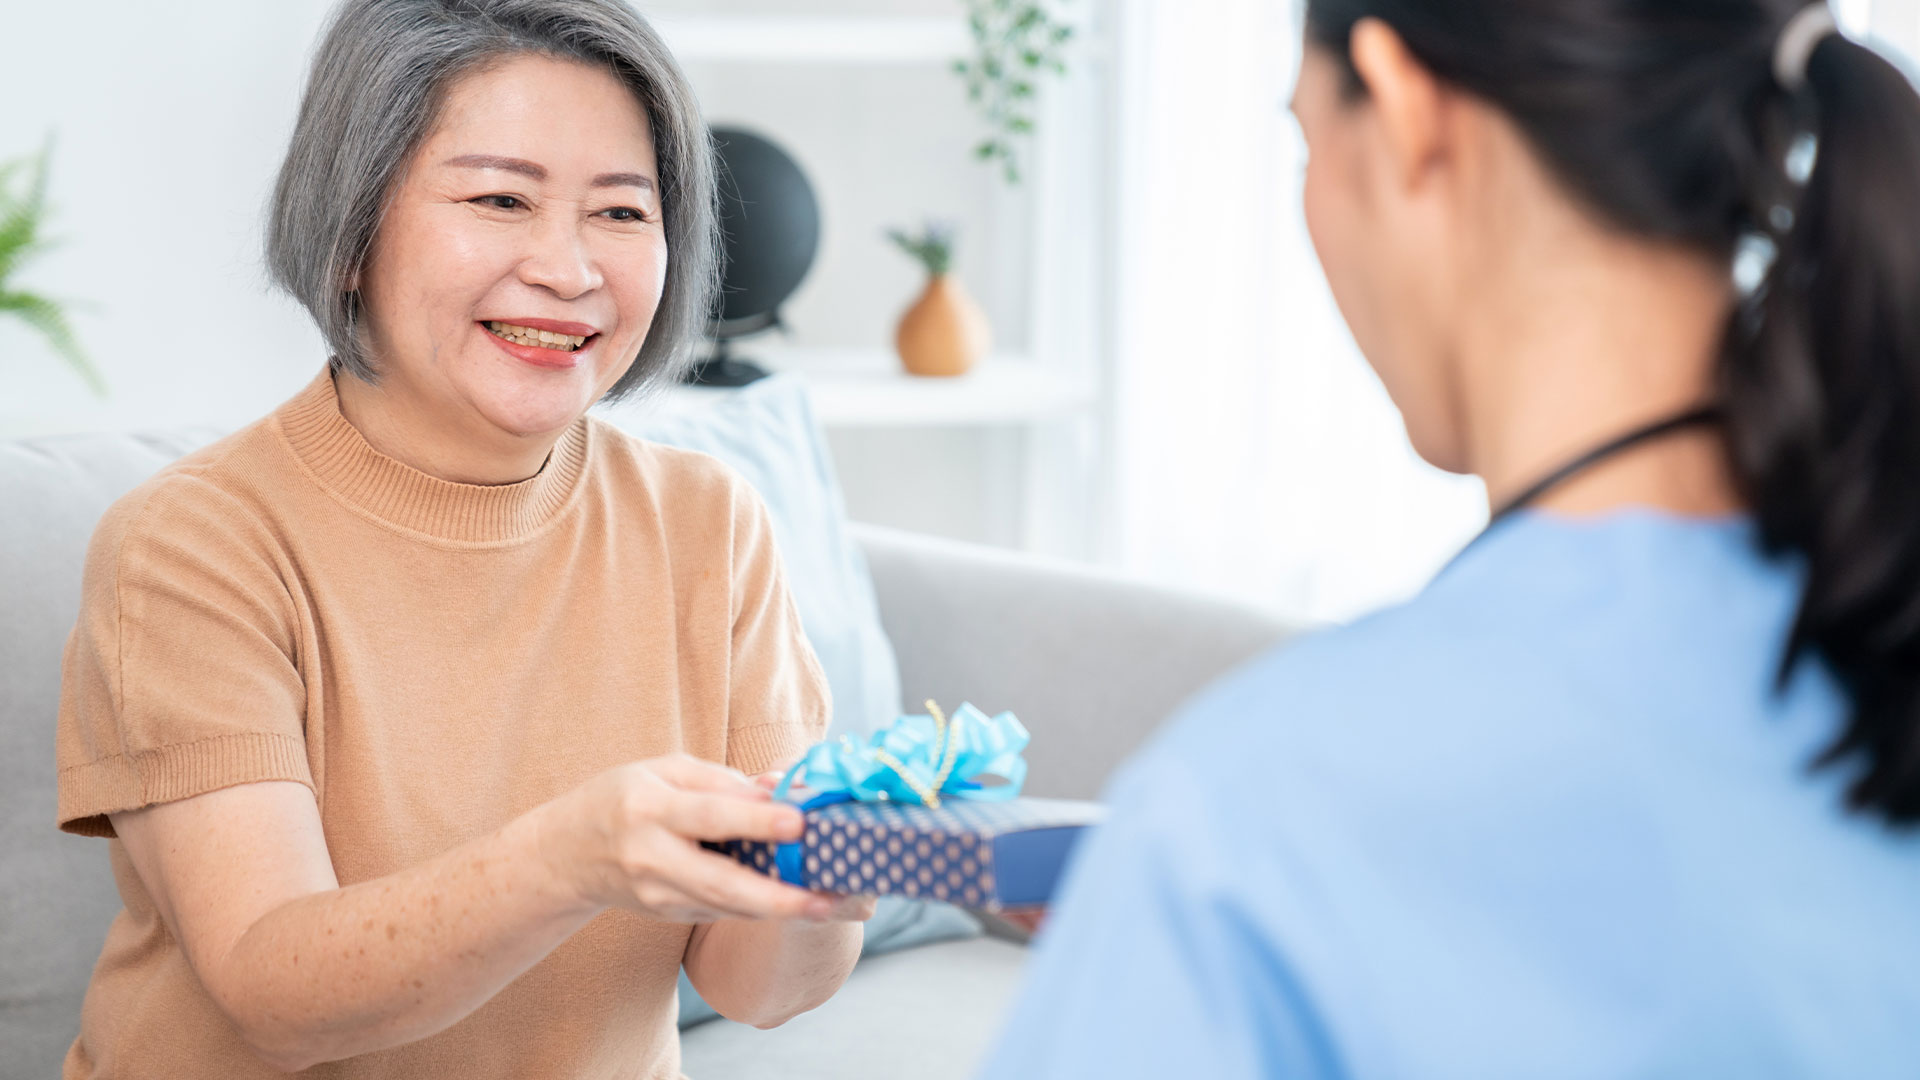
<point>1821,381</point>
<point>1666,116</point>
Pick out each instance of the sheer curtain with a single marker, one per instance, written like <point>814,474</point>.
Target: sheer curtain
<point>1255,453</point>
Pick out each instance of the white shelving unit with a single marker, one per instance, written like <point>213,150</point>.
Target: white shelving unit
<point>855,388</point>
<point>1017,441</point>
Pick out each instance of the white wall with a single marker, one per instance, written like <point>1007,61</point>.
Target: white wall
<point>170,122</point>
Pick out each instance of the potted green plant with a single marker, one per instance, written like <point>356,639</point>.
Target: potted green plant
<point>23,213</point>
<point>944,332</point>
<point>1015,44</point>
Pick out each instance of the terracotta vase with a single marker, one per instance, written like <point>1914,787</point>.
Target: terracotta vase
<point>944,332</point>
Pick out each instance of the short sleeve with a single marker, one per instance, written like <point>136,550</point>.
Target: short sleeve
<point>181,675</point>
<point>778,701</point>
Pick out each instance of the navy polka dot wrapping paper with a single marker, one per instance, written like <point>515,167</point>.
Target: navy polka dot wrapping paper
<point>986,855</point>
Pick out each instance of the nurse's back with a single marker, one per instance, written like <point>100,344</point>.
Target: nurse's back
<point>1633,788</point>
<point>1582,832</point>
<point>1550,819</point>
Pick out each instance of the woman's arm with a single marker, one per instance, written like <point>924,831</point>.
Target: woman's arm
<point>766,973</point>
<point>309,971</point>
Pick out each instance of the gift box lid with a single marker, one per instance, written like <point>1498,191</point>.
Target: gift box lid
<point>961,816</point>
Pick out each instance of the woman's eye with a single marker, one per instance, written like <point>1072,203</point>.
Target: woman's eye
<point>500,202</point>
<point>625,213</point>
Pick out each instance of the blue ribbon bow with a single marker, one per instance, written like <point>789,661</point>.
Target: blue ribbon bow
<point>917,759</point>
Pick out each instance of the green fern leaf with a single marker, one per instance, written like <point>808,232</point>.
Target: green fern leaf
<point>47,317</point>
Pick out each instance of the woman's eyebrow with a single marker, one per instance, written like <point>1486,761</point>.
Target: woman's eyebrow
<point>624,179</point>
<point>494,161</point>
<point>537,172</point>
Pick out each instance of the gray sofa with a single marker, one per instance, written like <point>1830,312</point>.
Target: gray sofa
<point>1090,663</point>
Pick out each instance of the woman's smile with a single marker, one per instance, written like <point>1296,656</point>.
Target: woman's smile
<point>542,342</point>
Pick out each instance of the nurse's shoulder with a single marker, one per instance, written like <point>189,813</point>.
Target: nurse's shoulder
<point>1392,697</point>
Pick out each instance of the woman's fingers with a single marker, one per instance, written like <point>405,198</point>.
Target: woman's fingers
<point>700,816</point>
<point>692,774</point>
<point>676,801</point>
<point>719,882</point>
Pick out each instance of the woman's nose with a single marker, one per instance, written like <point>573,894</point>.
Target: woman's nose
<point>558,261</point>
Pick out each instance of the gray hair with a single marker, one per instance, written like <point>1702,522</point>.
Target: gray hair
<point>374,95</point>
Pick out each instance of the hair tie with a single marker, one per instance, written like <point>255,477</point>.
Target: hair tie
<point>1800,37</point>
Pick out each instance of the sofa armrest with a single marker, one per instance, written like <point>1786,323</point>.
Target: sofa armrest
<point>1090,662</point>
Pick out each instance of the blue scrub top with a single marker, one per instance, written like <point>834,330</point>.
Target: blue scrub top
<point>1550,819</point>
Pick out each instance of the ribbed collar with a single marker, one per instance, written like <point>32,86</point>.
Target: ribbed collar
<point>344,463</point>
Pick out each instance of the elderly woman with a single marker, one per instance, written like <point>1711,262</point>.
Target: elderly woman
<point>407,707</point>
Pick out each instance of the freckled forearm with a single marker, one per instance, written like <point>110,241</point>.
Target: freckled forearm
<point>766,973</point>
<point>389,961</point>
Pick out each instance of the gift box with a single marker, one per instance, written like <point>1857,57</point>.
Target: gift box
<point>927,808</point>
<point>987,855</point>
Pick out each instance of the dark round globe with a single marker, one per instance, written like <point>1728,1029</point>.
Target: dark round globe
<point>771,223</point>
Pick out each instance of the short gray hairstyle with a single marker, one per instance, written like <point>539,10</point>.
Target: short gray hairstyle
<point>374,95</point>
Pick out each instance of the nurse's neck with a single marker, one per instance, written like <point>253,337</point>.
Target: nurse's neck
<point>1589,337</point>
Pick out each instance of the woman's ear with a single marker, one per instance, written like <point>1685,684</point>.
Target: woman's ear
<point>1410,100</point>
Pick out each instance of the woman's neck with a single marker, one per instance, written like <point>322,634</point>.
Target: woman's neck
<point>1592,337</point>
<point>437,442</point>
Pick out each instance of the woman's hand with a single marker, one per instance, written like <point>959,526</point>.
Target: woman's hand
<point>631,837</point>
<point>766,973</point>
<point>846,908</point>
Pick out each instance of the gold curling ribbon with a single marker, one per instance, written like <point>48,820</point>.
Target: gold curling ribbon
<point>949,755</point>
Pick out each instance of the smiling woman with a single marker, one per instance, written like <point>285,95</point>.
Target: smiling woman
<point>532,210</point>
<point>406,708</point>
<point>379,86</point>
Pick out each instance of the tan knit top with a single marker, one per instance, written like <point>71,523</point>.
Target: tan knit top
<point>432,659</point>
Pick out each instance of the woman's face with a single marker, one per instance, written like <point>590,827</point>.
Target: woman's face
<point>1383,251</point>
<point>532,213</point>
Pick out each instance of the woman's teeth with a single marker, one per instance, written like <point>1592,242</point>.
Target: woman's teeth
<point>539,339</point>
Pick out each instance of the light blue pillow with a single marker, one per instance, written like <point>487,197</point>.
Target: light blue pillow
<point>768,433</point>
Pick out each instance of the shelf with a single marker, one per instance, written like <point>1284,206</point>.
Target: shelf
<point>816,38</point>
<point>866,388</point>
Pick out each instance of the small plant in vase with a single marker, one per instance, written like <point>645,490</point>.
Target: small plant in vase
<point>944,332</point>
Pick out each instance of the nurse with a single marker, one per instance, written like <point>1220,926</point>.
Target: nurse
<point>1629,789</point>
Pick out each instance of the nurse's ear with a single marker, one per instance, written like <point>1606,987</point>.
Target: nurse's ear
<point>1411,105</point>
